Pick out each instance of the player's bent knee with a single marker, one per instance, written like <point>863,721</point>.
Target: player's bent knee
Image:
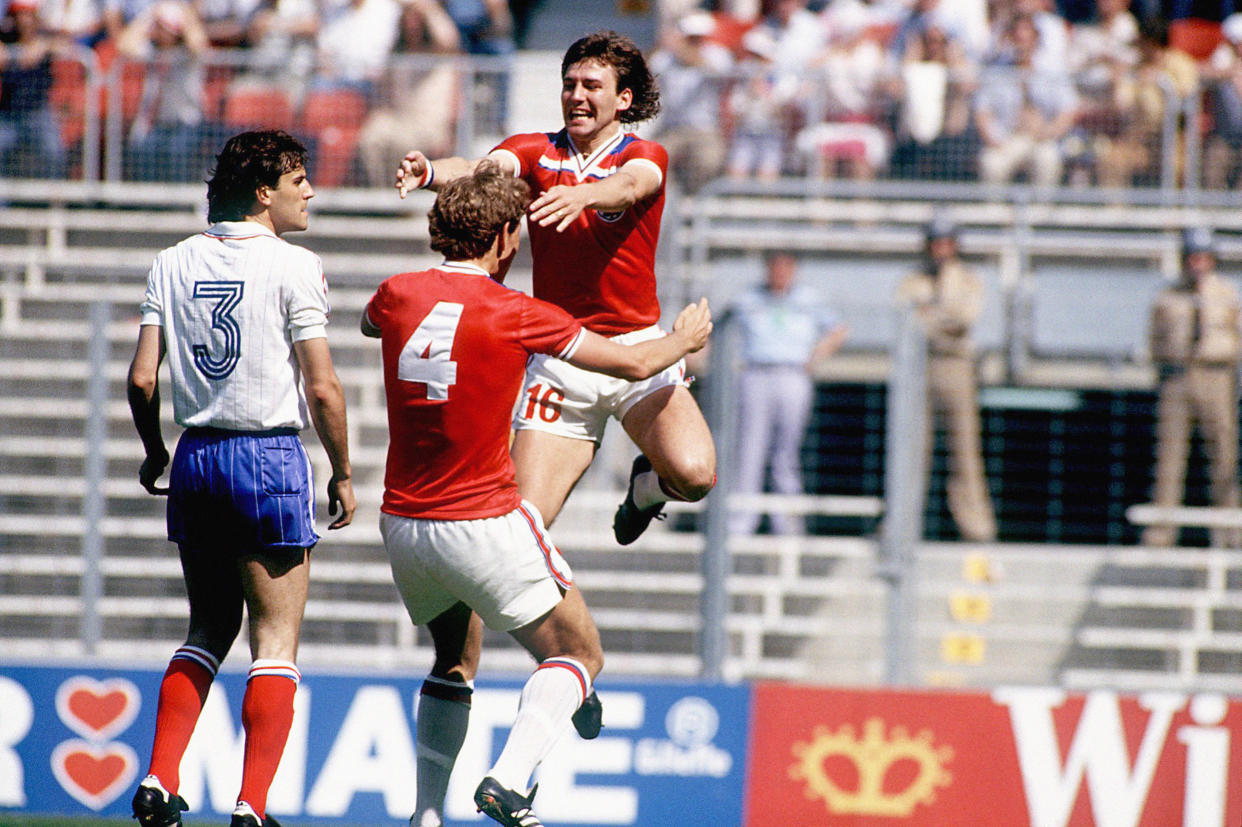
<point>693,482</point>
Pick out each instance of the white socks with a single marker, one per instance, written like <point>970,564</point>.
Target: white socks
<point>551,695</point>
<point>647,490</point>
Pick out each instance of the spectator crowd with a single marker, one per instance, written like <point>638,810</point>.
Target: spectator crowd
<point>1080,93</point>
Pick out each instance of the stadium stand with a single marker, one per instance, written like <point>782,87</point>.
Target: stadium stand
<point>804,608</point>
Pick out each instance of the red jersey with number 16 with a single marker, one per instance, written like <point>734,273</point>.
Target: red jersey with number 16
<point>455,346</point>
<point>602,267</point>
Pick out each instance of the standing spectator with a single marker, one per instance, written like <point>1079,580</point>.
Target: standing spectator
<point>241,316</point>
<point>462,542</point>
<point>692,72</point>
<point>282,35</point>
<point>786,330</point>
<point>1022,113</point>
<point>946,298</point>
<point>1195,345</point>
<point>28,124</point>
<point>419,92</point>
<point>355,42</point>
<point>166,135</point>
<point>79,21</point>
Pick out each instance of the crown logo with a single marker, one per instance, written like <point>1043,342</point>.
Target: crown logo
<point>874,757</point>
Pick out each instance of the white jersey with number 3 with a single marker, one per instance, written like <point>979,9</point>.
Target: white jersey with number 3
<point>232,301</point>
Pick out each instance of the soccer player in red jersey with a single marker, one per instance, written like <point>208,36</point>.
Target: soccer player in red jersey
<point>464,545</point>
<point>594,225</point>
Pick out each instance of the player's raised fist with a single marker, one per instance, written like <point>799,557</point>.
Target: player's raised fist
<point>410,172</point>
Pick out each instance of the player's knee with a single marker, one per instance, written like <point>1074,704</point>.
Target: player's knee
<point>694,480</point>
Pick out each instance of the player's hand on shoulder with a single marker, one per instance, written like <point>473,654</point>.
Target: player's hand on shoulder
<point>410,171</point>
<point>341,499</point>
<point>694,322</point>
<point>151,470</point>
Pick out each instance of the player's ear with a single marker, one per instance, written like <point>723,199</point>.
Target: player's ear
<point>263,195</point>
<point>625,98</point>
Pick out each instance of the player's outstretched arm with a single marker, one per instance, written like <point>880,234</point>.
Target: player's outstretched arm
<point>325,398</point>
<point>144,405</point>
<point>646,359</point>
<point>560,205</point>
<point>417,171</point>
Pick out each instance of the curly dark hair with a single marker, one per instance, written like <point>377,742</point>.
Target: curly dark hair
<point>248,161</point>
<point>619,52</point>
<point>471,210</point>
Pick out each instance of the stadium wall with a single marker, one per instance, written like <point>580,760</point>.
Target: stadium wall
<point>73,741</point>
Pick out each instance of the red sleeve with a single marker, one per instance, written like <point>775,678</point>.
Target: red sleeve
<point>526,147</point>
<point>375,308</point>
<point>546,328</point>
<point>647,151</point>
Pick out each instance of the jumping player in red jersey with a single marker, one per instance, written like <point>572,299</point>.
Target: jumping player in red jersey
<point>594,225</point>
<point>462,542</point>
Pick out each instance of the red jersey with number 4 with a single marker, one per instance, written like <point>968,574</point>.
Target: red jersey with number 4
<point>455,346</point>
<point>602,267</point>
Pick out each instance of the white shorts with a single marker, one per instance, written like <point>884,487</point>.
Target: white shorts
<point>505,568</point>
<point>568,401</point>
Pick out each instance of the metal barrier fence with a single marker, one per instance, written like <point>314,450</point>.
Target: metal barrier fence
<point>119,118</point>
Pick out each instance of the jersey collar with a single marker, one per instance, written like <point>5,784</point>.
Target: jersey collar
<point>464,268</point>
<point>238,229</point>
<point>584,163</point>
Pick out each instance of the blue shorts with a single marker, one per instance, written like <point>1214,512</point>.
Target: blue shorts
<point>248,492</point>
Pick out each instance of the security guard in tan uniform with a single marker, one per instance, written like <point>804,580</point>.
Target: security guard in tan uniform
<point>1196,345</point>
<point>947,298</point>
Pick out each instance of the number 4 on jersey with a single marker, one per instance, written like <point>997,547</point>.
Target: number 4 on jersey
<point>425,358</point>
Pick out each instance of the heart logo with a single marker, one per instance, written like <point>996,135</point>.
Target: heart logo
<point>94,775</point>
<point>97,710</point>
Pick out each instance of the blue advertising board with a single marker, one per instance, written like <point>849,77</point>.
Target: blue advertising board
<point>75,741</point>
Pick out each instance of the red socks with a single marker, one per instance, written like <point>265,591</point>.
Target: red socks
<point>267,715</point>
<point>182,692</point>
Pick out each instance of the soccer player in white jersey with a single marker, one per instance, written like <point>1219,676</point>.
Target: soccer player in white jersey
<point>240,314</point>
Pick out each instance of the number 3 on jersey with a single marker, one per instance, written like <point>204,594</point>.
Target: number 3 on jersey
<point>425,358</point>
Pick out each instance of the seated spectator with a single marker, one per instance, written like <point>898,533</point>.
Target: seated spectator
<point>1022,113</point>
<point>762,106</point>
<point>1104,48</point>
<point>935,138</point>
<point>1222,155</point>
<point>354,43</point>
<point>28,125</point>
<point>692,72</point>
<point>165,139</point>
<point>486,28</point>
<point>964,21</point>
<point>849,76</point>
<point>417,96</point>
<point>1161,78</point>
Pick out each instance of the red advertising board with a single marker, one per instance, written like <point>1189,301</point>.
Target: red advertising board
<point>1008,758</point>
